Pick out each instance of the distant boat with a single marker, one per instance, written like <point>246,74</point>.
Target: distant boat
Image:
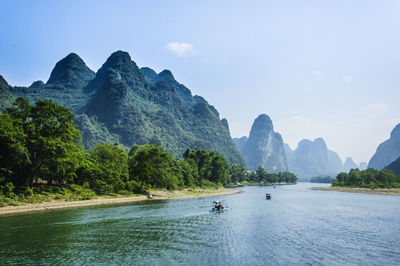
<point>268,196</point>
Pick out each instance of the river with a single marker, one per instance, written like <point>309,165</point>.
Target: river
<point>298,226</point>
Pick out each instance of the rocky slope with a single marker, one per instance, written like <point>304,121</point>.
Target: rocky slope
<point>388,151</point>
<point>121,103</point>
<point>264,147</point>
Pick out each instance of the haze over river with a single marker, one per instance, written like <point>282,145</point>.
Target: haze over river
<point>297,226</point>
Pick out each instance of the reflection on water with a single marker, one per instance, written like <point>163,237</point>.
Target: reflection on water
<point>298,226</point>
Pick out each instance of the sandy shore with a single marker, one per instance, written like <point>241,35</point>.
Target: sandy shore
<point>156,195</point>
<point>380,191</point>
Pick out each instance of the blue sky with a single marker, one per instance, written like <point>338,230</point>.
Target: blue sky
<point>319,68</point>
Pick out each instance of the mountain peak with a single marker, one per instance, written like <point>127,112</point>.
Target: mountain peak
<point>120,62</point>
<point>149,73</point>
<point>262,122</point>
<point>166,75</point>
<point>264,147</point>
<point>3,82</point>
<point>36,84</point>
<point>320,142</point>
<point>69,68</point>
<point>119,57</point>
<point>303,142</point>
<point>349,164</point>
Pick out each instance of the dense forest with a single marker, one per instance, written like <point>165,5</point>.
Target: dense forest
<point>370,178</point>
<point>41,153</point>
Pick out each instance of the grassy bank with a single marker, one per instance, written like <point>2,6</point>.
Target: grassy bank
<point>380,191</point>
<point>52,202</point>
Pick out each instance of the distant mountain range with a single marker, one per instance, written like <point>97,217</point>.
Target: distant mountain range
<point>265,148</point>
<point>312,158</point>
<point>125,104</point>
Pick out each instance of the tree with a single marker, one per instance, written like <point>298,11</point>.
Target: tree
<point>237,173</point>
<point>261,174</point>
<point>52,142</point>
<point>209,166</point>
<point>153,166</point>
<point>106,169</point>
<point>13,152</point>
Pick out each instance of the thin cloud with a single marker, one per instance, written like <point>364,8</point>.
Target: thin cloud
<point>316,74</point>
<point>376,109</point>
<point>347,79</point>
<point>181,48</point>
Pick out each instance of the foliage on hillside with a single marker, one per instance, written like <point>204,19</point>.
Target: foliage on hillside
<point>370,178</point>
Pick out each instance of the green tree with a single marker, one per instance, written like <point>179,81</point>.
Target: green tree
<point>209,166</point>
<point>106,169</point>
<point>52,142</point>
<point>153,166</point>
<point>13,152</point>
<point>237,173</point>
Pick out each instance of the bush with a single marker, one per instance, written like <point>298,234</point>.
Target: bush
<point>28,192</point>
<point>209,184</point>
<point>8,190</point>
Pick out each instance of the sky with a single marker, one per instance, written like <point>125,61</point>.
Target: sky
<point>318,68</point>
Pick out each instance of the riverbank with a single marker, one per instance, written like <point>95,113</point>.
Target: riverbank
<point>379,191</point>
<point>155,195</point>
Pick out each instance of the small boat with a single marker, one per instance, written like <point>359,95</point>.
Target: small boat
<point>219,207</point>
<point>268,196</point>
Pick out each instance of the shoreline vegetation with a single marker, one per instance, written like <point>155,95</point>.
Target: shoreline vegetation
<point>119,199</point>
<point>369,181</point>
<point>377,191</point>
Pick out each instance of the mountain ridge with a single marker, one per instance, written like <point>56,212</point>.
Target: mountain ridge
<point>118,103</point>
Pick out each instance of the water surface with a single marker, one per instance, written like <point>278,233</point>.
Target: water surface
<point>298,226</point>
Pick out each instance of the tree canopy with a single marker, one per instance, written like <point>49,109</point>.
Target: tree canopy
<point>369,178</point>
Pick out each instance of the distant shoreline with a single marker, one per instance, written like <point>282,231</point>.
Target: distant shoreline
<point>378,191</point>
<point>156,195</point>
